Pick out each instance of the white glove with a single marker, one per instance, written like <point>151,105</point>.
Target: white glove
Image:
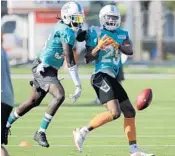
<point>76,94</point>
<point>75,77</point>
<point>40,68</point>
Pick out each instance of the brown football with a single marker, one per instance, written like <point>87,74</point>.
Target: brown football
<point>144,99</point>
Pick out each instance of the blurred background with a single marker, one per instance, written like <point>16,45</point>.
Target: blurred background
<point>151,25</point>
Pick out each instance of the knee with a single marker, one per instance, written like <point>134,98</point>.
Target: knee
<point>37,98</point>
<point>130,113</point>
<point>35,102</point>
<point>116,114</point>
<point>60,98</point>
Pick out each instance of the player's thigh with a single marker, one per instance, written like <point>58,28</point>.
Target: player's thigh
<point>45,79</point>
<point>125,104</point>
<point>102,85</point>
<point>5,112</point>
<point>57,90</point>
<point>119,91</point>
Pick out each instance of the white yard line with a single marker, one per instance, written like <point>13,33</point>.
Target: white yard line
<point>87,120</point>
<point>87,76</point>
<point>110,127</point>
<point>100,145</point>
<point>99,136</point>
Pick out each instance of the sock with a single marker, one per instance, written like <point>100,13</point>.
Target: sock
<point>12,118</point>
<point>84,131</point>
<point>130,129</point>
<point>101,119</point>
<point>45,123</point>
<point>134,148</point>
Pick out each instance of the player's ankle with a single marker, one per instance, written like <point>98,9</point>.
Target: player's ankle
<point>134,148</point>
<point>84,130</point>
<point>8,125</point>
<point>42,130</point>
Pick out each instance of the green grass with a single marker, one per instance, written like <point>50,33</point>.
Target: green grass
<point>88,69</point>
<point>155,125</point>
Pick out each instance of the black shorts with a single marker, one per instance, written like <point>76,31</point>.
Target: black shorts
<point>120,75</point>
<point>108,88</point>
<point>5,112</point>
<point>43,80</point>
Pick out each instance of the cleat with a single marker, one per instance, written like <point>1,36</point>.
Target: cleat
<point>40,137</point>
<point>141,154</point>
<point>79,138</point>
<point>7,132</point>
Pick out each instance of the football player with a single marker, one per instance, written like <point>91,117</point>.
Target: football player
<point>58,45</point>
<point>107,55</point>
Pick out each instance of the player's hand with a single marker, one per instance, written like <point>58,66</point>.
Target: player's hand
<point>40,68</point>
<point>106,41</point>
<point>76,94</point>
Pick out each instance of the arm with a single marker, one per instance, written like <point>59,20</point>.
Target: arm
<point>91,54</point>
<point>126,47</point>
<point>72,67</point>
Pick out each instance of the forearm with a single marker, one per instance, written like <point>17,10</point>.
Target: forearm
<point>91,54</point>
<point>74,75</point>
<point>72,67</point>
<point>126,49</point>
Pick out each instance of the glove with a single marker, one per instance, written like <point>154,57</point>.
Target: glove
<point>106,41</point>
<point>76,94</point>
<point>40,68</point>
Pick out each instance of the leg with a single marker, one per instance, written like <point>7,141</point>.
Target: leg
<point>57,91</point>
<point>129,115</point>
<point>102,84</point>
<point>34,100</point>
<point>130,127</point>
<point>112,114</point>
<point>129,123</point>
<point>4,151</point>
<point>5,112</point>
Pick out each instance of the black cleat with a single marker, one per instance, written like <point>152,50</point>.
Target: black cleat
<point>40,137</point>
<point>7,132</point>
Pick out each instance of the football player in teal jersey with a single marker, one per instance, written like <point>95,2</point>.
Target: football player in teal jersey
<point>107,55</point>
<point>58,46</point>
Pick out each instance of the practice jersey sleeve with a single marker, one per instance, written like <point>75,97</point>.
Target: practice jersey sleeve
<point>91,39</point>
<point>68,36</point>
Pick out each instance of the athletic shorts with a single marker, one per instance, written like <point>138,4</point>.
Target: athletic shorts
<point>41,79</point>
<point>120,75</point>
<point>5,112</point>
<point>108,88</point>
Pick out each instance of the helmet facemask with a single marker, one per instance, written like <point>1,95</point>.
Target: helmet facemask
<point>111,22</point>
<point>77,22</point>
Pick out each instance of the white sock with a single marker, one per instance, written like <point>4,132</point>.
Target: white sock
<point>14,116</point>
<point>8,125</point>
<point>42,130</point>
<point>134,148</point>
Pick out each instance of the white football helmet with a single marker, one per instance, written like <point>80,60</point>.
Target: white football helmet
<point>72,14</point>
<point>110,17</point>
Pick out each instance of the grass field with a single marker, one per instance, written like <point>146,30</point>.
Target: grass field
<point>155,125</point>
<point>88,69</point>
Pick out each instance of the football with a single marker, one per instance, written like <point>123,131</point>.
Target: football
<point>144,99</point>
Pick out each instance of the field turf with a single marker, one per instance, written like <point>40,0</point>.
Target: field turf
<point>155,125</point>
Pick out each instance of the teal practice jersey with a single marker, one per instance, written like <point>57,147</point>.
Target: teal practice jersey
<point>109,60</point>
<point>52,52</point>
